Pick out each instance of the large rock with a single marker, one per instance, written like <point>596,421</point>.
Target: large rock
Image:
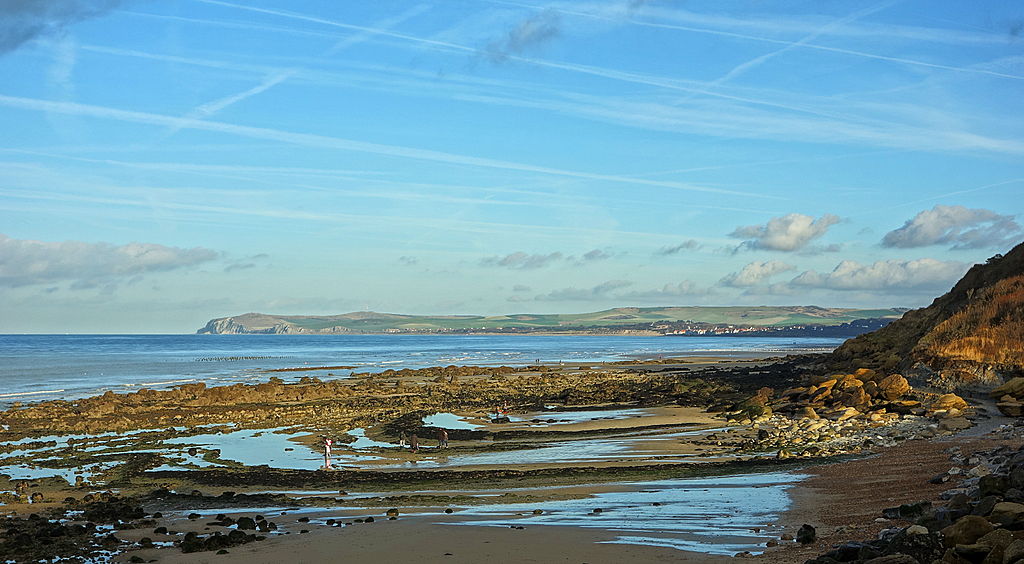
<point>246,523</point>
<point>905,407</point>
<point>848,413</point>
<point>1014,552</point>
<point>1014,388</point>
<point>1010,407</point>
<point>1008,514</point>
<point>848,383</point>
<point>954,424</point>
<point>806,535</point>
<point>949,401</point>
<point>893,387</point>
<point>908,511</point>
<point>998,540</point>
<point>866,375</point>
<point>809,413</point>
<point>924,548</point>
<point>967,530</point>
<point>993,485</point>
<point>854,397</point>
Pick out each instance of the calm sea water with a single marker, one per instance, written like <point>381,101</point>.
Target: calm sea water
<point>41,367</point>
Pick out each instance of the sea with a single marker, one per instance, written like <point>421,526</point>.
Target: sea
<point>48,367</point>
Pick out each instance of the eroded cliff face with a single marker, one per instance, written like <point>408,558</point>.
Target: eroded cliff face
<point>971,335</point>
<point>250,323</point>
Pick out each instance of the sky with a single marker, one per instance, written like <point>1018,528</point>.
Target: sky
<point>166,162</point>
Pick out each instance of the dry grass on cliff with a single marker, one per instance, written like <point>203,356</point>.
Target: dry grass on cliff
<point>990,330</point>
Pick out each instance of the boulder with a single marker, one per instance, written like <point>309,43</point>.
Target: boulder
<point>893,387</point>
<point>871,389</point>
<point>908,511</point>
<point>986,504</point>
<point>972,552</point>
<point>1011,408</point>
<point>848,413</point>
<point>246,524</point>
<point>949,401</point>
<point>848,383</point>
<point>905,407</point>
<point>809,413</point>
<point>967,530</point>
<point>1014,552</point>
<point>999,538</point>
<point>1008,514</point>
<point>806,535</point>
<point>1014,388</point>
<point>923,548</point>
<point>993,484</point>
<point>865,374</point>
<point>819,394</point>
<point>954,424</point>
<point>822,380</point>
<point>854,397</point>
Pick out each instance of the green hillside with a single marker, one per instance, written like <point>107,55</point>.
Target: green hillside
<point>371,322</point>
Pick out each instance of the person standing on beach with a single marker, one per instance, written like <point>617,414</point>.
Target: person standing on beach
<point>442,438</point>
<point>401,439</point>
<point>327,452</point>
<point>414,443</point>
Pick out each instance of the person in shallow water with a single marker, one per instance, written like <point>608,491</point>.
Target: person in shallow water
<point>327,451</point>
<point>414,443</point>
<point>442,438</point>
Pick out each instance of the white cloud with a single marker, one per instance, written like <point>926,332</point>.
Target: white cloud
<point>962,227</point>
<point>754,273</point>
<point>890,275</point>
<point>790,232</point>
<point>521,260</point>
<point>25,262</point>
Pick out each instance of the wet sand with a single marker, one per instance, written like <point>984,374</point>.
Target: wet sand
<point>427,540</point>
<point>593,450</point>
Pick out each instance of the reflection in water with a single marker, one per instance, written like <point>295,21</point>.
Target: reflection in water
<point>710,515</point>
<point>270,447</point>
<point>448,421</point>
<point>567,417</point>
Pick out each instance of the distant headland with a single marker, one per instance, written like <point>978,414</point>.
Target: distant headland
<point>690,320</point>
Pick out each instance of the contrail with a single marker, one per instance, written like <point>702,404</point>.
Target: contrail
<point>323,141</point>
<point>210,108</point>
<point>757,61</point>
<point>570,67</point>
<point>764,40</point>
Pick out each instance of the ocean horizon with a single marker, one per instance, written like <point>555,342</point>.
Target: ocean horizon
<point>38,367</point>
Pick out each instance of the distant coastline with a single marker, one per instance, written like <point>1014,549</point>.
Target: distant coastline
<point>763,321</point>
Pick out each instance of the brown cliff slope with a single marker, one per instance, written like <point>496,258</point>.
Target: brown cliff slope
<point>973,333</point>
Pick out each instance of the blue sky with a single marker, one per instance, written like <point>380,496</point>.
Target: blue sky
<point>162,163</point>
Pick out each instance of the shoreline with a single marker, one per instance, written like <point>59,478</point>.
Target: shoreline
<point>621,428</point>
<point>692,359</point>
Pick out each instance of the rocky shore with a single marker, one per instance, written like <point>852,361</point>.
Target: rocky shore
<point>801,418</point>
